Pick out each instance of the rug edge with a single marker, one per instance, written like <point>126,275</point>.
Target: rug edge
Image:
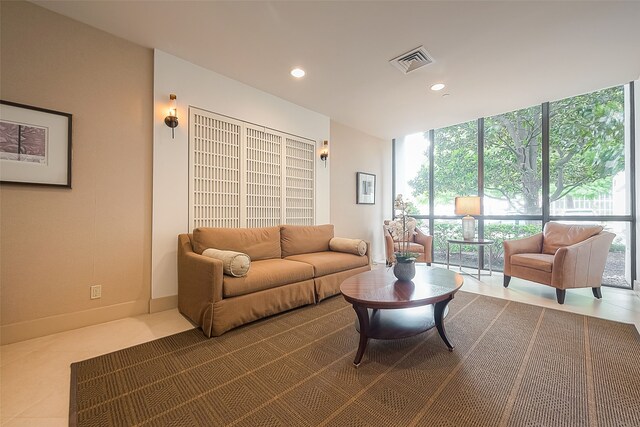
<point>590,316</point>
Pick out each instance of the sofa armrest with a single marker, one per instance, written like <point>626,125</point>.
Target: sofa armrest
<point>199,283</point>
<point>368,253</point>
<point>581,265</point>
<point>527,245</point>
<point>426,241</point>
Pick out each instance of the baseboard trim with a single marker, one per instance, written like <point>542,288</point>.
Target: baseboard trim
<point>162,304</point>
<point>65,322</point>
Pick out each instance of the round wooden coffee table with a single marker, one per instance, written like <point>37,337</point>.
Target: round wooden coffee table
<point>388,308</point>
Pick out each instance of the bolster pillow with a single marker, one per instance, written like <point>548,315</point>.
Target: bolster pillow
<point>234,264</point>
<point>350,246</point>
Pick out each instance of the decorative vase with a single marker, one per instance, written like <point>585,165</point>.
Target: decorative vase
<point>404,270</point>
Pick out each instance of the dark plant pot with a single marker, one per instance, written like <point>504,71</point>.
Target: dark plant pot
<point>404,270</point>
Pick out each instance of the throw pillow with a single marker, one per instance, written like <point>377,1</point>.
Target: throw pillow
<point>395,228</point>
<point>234,264</point>
<point>350,246</point>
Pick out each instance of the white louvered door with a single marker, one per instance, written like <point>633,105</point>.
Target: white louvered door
<point>215,156</point>
<point>264,177</point>
<point>299,181</point>
<point>243,175</point>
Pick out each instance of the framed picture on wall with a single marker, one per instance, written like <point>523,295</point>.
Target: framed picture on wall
<point>365,188</point>
<point>35,145</point>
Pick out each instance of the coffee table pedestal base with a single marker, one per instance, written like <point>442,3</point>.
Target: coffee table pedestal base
<point>387,324</point>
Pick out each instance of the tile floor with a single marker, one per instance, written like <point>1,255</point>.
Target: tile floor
<point>34,377</point>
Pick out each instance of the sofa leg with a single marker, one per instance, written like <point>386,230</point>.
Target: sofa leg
<point>506,281</point>
<point>560,293</point>
<point>597,292</point>
<point>428,264</point>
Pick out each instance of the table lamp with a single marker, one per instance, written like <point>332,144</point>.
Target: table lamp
<point>468,205</point>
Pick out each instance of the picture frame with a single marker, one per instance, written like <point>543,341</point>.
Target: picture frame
<point>35,145</point>
<point>365,188</point>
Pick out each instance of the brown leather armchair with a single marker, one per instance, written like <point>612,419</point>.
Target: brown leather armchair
<point>562,256</point>
<point>420,243</point>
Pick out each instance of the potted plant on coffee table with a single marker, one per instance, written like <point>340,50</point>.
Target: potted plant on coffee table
<point>404,267</point>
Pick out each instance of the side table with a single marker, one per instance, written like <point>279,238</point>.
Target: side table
<point>475,242</point>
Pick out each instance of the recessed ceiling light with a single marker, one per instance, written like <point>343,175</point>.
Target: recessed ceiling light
<point>437,86</point>
<point>297,73</point>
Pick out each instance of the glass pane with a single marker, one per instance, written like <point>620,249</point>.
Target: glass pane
<point>500,231</point>
<point>412,172</point>
<point>617,271</point>
<point>513,163</point>
<point>588,170</point>
<point>444,229</point>
<point>455,165</point>
<point>423,225</point>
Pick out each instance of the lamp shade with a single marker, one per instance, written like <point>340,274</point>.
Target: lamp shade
<point>468,205</point>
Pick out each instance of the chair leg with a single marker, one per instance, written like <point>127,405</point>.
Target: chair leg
<point>597,292</point>
<point>506,281</point>
<point>560,293</point>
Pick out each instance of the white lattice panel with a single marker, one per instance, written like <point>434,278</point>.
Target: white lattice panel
<point>264,177</point>
<point>215,175</point>
<point>299,181</point>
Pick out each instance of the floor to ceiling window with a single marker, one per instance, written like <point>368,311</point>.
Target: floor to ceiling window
<point>568,160</point>
<point>513,163</point>
<point>590,170</point>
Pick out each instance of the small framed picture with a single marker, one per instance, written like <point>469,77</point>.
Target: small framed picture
<point>35,145</point>
<point>365,188</point>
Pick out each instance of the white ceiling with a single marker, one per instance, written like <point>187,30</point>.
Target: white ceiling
<point>493,56</point>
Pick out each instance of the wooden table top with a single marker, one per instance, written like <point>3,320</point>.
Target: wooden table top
<point>379,288</point>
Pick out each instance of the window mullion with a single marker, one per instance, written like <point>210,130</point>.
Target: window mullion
<point>545,164</point>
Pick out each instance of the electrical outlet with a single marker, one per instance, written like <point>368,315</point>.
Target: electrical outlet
<point>96,291</point>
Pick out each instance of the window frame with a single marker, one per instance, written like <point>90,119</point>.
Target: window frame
<point>545,216</point>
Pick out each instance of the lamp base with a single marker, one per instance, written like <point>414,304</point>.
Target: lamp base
<point>468,228</point>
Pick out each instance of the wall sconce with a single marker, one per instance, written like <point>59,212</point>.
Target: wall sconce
<point>324,152</point>
<point>172,119</point>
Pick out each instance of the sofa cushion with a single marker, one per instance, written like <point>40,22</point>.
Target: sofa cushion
<point>258,243</point>
<point>542,262</point>
<point>349,246</point>
<point>266,274</point>
<point>556,236</point>
<point>234,264</point>
<point>304,239</point>
<point>330,262</point>
<point>411,247</point>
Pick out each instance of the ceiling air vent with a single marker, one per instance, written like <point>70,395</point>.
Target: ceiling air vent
<point>412,60</point>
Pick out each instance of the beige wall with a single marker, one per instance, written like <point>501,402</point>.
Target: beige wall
<point>55,243</point>
<point>352,151</point>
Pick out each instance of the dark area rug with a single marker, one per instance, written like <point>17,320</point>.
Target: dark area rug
<point>513,365</point>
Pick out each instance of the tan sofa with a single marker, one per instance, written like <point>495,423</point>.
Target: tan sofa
<point>290,266</point>
<point>562,256</point>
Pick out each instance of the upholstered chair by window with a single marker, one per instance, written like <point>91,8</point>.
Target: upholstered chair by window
<point>562,256</point>
<point>417,242</point>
